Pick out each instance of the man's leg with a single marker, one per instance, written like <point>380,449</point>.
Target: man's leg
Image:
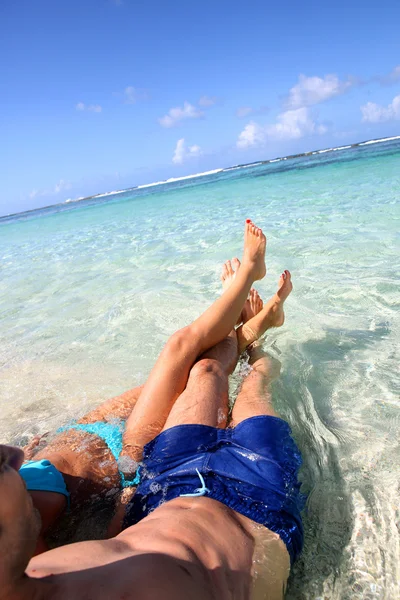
<point>170,374</point>
<point>205,399</point>
<point>271,563</point>
<point>254,398</point>
<point>203,402</point>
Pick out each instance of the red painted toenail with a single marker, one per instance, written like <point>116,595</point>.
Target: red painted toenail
<point>248,220</point>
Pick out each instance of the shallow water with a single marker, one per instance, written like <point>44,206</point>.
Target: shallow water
<point>92,290</point>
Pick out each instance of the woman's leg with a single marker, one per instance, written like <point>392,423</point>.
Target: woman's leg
<point>169,376</point>
<point>119,407</point>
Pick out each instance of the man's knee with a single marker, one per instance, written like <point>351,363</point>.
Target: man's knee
<point>207,367</point>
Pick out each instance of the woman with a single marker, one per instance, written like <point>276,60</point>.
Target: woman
<point>79,467</point>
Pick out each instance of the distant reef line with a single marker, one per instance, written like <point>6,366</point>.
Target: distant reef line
<point>239,166</point>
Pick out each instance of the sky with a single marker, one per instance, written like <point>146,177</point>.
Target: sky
<point>101,95</point>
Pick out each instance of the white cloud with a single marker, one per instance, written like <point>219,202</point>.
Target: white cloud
<point>182,153</point>
<point>393,77</point>
<point>294,124</point>
<point>376,113</point>
<point>313,90</point>
<point>178,114</point>
<point>130,95</point>
<point>90,107</point>
<point>395,74</point>
<point>244,111</point>
<point>289,125</point>
<point>61,186</point>
<point>208,101</point>
<point>252,135</point>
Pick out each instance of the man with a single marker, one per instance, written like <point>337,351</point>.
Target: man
<point>220,498</point>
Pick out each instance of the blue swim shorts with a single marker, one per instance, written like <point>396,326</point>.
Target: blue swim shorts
<point>251,468</point>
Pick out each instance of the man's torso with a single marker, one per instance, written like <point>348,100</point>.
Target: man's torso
<point>189,548</point>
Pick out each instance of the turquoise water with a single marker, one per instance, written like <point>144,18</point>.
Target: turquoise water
<point>91,291</point>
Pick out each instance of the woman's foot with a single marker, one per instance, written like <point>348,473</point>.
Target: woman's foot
<point>254,250</point>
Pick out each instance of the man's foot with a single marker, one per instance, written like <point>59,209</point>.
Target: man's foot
<point>253,304</point>
<point>274,307</point>
<point>254,250</point>
<point>229,270</point>
<point>272,315</point>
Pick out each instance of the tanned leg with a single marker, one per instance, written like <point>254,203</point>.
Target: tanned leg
<point>205,398</point>
<point>169,376</point>
<point>271,563</point>
<point>119,407</point>
<point>254,398</point>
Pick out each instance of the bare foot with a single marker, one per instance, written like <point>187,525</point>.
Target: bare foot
<point>229,270</point>
<point>275,305</point>
<point>272,315</point>
<point>253,304</point>
<point>254,250</point>
<point>32,447</point>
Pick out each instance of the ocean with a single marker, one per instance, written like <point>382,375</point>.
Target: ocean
<point>91,290</point>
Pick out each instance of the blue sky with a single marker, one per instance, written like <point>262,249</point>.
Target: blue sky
<point>98,95</point>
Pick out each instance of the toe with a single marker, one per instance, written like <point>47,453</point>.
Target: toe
<point>259,303</point>
<point>235,263</point>
<point>224,273</point>
<point>229,267</point>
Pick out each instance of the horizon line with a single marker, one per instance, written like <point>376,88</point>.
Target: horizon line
<point>202,174</point>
